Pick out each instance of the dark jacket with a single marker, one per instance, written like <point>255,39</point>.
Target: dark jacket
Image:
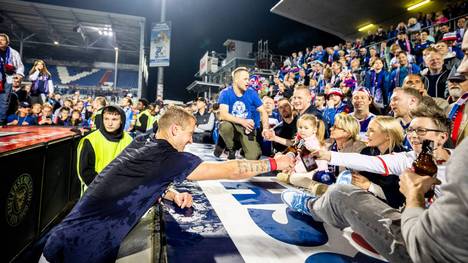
<point>87,155</point>
<point>436,84</point>
<point>389,184</point>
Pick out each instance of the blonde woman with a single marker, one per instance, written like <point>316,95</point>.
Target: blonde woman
<point>385,135</point>
<point>42,84</point>
<point>344,137</point>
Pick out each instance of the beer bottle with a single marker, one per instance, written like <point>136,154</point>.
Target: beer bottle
<point>293,149</point>
<point>299,148</point>
<point>425,164</point>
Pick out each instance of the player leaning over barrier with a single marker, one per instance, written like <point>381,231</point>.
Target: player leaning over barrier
<point>128,186</point>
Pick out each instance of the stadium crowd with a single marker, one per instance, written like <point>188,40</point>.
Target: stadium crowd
<point>363,109</point>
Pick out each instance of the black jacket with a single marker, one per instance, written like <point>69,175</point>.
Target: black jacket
<point>389,184</point>
<point>88,157</point>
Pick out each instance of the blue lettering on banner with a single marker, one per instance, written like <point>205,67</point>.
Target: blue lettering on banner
<point>300,230</point>
<point>330,257</point>
<point>260,196</point>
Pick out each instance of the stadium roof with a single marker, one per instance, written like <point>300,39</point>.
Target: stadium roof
<point>343,18</point>
<point>82,30</point>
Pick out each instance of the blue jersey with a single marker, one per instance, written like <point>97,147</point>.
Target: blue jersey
<point>116,199</point>
<point>28,118</point>
<point>245,106</point>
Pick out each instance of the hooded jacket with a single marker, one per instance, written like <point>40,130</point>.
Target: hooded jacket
<point>97,149</point>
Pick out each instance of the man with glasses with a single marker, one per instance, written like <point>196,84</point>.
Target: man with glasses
<point>418,234</point>
<point>348,206</point>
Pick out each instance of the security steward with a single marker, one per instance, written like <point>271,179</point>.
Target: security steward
<point>144,121</point>
<point>97,149</point>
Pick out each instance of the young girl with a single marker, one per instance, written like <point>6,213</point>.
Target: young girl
<point>76,119</point>
<point>312,131</point>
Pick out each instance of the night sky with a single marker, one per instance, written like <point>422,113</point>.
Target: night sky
<point>203,25</point>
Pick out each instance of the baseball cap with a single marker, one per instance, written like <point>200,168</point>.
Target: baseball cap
<point>363,90</point>
<point>24,104</point>
<point>455,76</point>
<point>451,36</point>
<point>335,91</point>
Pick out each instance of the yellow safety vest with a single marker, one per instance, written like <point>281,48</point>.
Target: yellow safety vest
<point>104,150</point>
<point>93,118</point>
<point>149,120</point>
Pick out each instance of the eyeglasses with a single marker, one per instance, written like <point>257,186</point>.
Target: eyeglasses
<point>421,131</point>
<point>336,127</point>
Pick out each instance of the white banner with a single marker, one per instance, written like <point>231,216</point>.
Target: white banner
<point>160,45</point>
<point>203,69</point>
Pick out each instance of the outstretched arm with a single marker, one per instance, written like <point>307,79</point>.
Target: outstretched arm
<point>239,169</point>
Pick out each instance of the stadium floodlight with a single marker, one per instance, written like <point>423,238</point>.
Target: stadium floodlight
<point>364,28</point>
<point>418,5</point>
<point>56,42</point>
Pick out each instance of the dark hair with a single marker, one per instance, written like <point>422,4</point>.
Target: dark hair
<point>215,106</point>
<point>79,113</point>
<point>144,101</point>
<point>321,94</point>
<point>202,99</point>
<point>64,109</point>
<point>402,52</point>
<point>111,110</point>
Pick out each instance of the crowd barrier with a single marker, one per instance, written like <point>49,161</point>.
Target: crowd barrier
<point>37,182</point>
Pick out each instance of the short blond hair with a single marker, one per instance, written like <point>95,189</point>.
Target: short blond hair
<point>392,127</point>
<point>237,70</point>
<point>349,124</point>
<point>175,115</point>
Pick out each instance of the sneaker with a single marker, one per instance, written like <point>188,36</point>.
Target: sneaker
<point>231,154</point>
<point>218,151</point>
<point>345,177</point>
<point>297,201</point>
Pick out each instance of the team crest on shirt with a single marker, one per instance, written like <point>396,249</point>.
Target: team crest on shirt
<point>239,109</point>
<point>19,199</point>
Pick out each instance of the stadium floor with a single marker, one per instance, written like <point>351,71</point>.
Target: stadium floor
<point>246,221</point>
